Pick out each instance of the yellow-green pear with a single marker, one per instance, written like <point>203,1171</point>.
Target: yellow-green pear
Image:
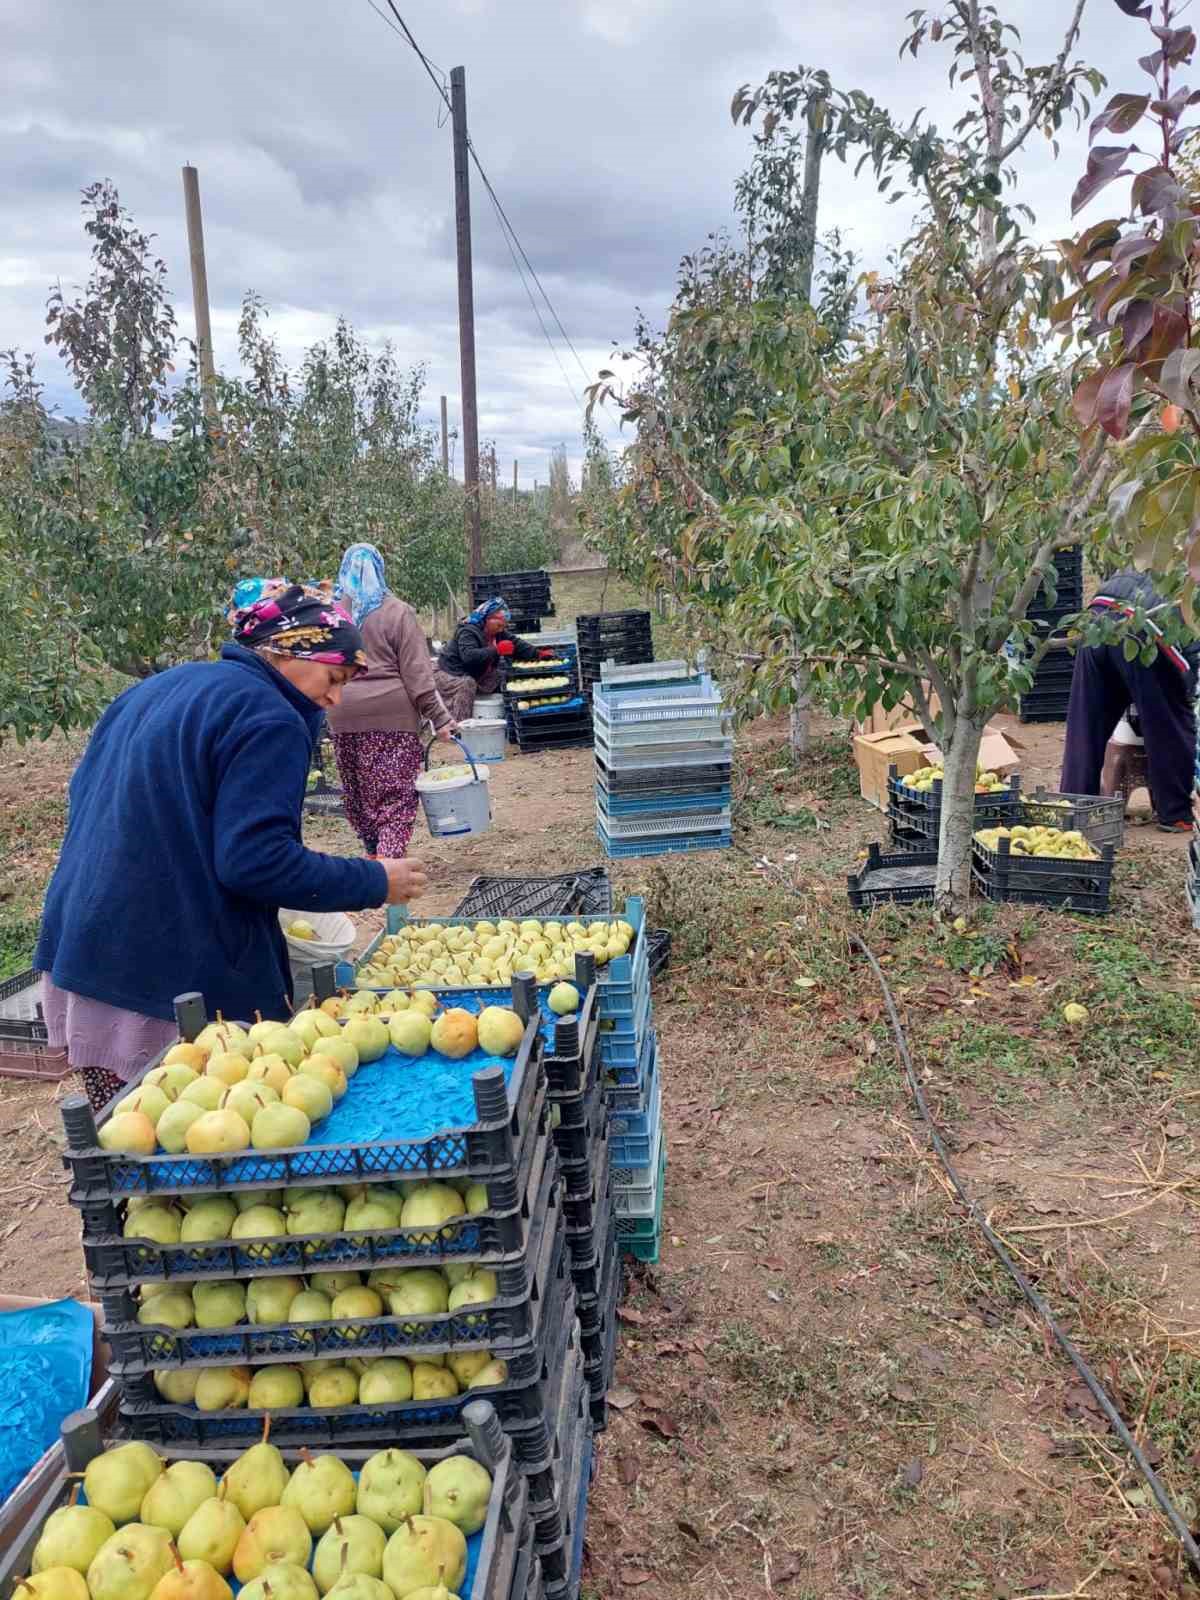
<point>211,1533</point>
<point>116,1481</point>
<point>70,1538</point>
<point>127,1566</point>
<point>175,1494</point>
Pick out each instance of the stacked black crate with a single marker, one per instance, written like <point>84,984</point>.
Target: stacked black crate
<point>1057,600</point>
<point>527,595</point>
<point>543,705</point>
<point>623,637</point>
<point>526,1336</point>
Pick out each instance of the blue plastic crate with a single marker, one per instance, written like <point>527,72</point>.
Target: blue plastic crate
<point>629,1102</point>
<point>631,1151</point>
<point>575,703</point>
<point>669,844</point>
<point>637,1194</point>
<point>662,804</point>
<point>621,1047</point>
<point>616,978</point>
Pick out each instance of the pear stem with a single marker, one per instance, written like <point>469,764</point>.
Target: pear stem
<point>266,1427</point>
<point>175,1556</point>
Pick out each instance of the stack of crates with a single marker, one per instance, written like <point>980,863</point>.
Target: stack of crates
<point>1058,599</point>
<point>379,1140</point>
<point>663,761</point>
<point>547,719</point>
<point>527,595</point>
<point>621,637</point>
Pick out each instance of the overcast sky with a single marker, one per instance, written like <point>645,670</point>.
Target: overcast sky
<point>325,161</point>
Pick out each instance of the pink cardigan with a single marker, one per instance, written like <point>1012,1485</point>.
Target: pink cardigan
<point>397,691</point>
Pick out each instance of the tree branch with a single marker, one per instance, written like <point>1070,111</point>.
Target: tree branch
<point>1054,82</point>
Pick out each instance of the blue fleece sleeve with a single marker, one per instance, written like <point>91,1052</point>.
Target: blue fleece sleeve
<point>258,852</point>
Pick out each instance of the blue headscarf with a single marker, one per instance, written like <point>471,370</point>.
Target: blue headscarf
<point>489,607</point>
<point>360,585</point>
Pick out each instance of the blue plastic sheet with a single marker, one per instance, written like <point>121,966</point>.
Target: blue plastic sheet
<point>45,1374</point>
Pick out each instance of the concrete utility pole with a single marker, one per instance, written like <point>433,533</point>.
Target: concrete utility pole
<point>466,318</point>
<point>204,349</point>
<point>445,441</point>
<point>514,484</point>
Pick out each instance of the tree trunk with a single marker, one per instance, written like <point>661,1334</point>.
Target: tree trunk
<point>953,884</point>
<point>801,713</point>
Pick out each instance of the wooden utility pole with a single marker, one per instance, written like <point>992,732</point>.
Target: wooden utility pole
<point>466,318</point>
<point>514,485</point>
<point>445,441</point>
<point>195,229</point>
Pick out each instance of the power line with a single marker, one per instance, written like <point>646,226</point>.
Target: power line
<point>508,232</point>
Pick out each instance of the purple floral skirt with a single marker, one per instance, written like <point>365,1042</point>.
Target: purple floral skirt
<point>379,774</point>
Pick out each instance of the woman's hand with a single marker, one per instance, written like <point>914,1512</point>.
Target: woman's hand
<point>504,647</point>
<point>446,734</point>
<point>406,881</point>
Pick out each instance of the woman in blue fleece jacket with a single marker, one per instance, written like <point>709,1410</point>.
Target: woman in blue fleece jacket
<point>184,839</point>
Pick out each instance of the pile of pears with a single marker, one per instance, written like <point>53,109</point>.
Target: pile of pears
<point>235,1089</point>
<point>1061,844</point>
<point>924,778</point>
<point>489,953</point>
<point>153,1531</point>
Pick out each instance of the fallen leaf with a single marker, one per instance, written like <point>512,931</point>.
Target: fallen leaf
<point>635,1319</point>
<point>627,1470</point>
<point>787,1568</point>
<point>689,1528</point>
<point>1175,1130</point>
<point>622,1398</point>
<point>631,1577</point>
<point>913,1472</point>
<point>903,1393</point>
<point>658,1422</point>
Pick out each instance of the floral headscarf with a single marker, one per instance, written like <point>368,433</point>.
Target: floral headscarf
<point>361,586</point>
<point>293,620</point>
<point>489,608</point>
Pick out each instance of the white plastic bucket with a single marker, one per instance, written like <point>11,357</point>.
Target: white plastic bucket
<point>333,943</point>
<point>488,707</point>
<point>457,800</point>
<point>484,737</point>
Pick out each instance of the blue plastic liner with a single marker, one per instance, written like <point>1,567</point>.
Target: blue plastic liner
<point>45,1374</point>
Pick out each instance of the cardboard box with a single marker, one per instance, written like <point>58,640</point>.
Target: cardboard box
<point>874,753</point>
<point>995,753</point>
<point>881,721</point>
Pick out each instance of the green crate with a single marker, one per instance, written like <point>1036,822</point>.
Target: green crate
<point>641,1237</point>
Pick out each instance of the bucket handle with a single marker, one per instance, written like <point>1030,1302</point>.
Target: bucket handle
<point>462,747</point>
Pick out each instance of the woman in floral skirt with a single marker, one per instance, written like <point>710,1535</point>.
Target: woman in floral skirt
<point>376,726</point>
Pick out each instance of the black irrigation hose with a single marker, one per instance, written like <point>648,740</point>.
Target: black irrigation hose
<point>1165,1504</point>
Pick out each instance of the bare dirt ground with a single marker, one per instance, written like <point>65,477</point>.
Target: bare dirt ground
<point>827,1387</point>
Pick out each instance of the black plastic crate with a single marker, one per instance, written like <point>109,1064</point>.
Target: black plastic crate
<point>519,1402</point>
<point>1101,820</point>
<point>905,839</point>
<point>487,1149</point>
<point>1049,713</point>
<point>921,810</point>
<point>658,950</point>
<point>588,890</point>
<point>549,1510</point>
<point>505,1533</point>
<point>562,1559</point>
<point>584,1117</point>
<point>1084,886</point>
<point>577,738</point>
<point>600,624</point>
<point>507,1323</point>
<point>585,1214</point>
<point>571,1060</point>
<point>905,878</point>
<point>493,1237</point>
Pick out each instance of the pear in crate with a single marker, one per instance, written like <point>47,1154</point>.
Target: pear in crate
<point>191,1580</point>
<point>257,1478</point>
<point>222,1388</point>
<point>129,1133</point>
<point>353,1545</point>
<point>55,1583</point>
<point>423,1552</point>
<point>387,1381</point>
<point>281,1582</point>
<point>391,1487</point>
<point>276,1388</point>
<point>459,1490</point>
<point>116,1481</point>
<point>336,1386</point>
<point>212,1532</point>
<point>70,1538</point>
<point>274,1535</point>
<point>212,1217</point>
<point>220,1132</point>
<point>175,1494</point>
<point>129,1565</point>
<point>321,1488</point>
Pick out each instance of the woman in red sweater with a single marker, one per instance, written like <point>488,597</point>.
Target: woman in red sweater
<point>376,727</point>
